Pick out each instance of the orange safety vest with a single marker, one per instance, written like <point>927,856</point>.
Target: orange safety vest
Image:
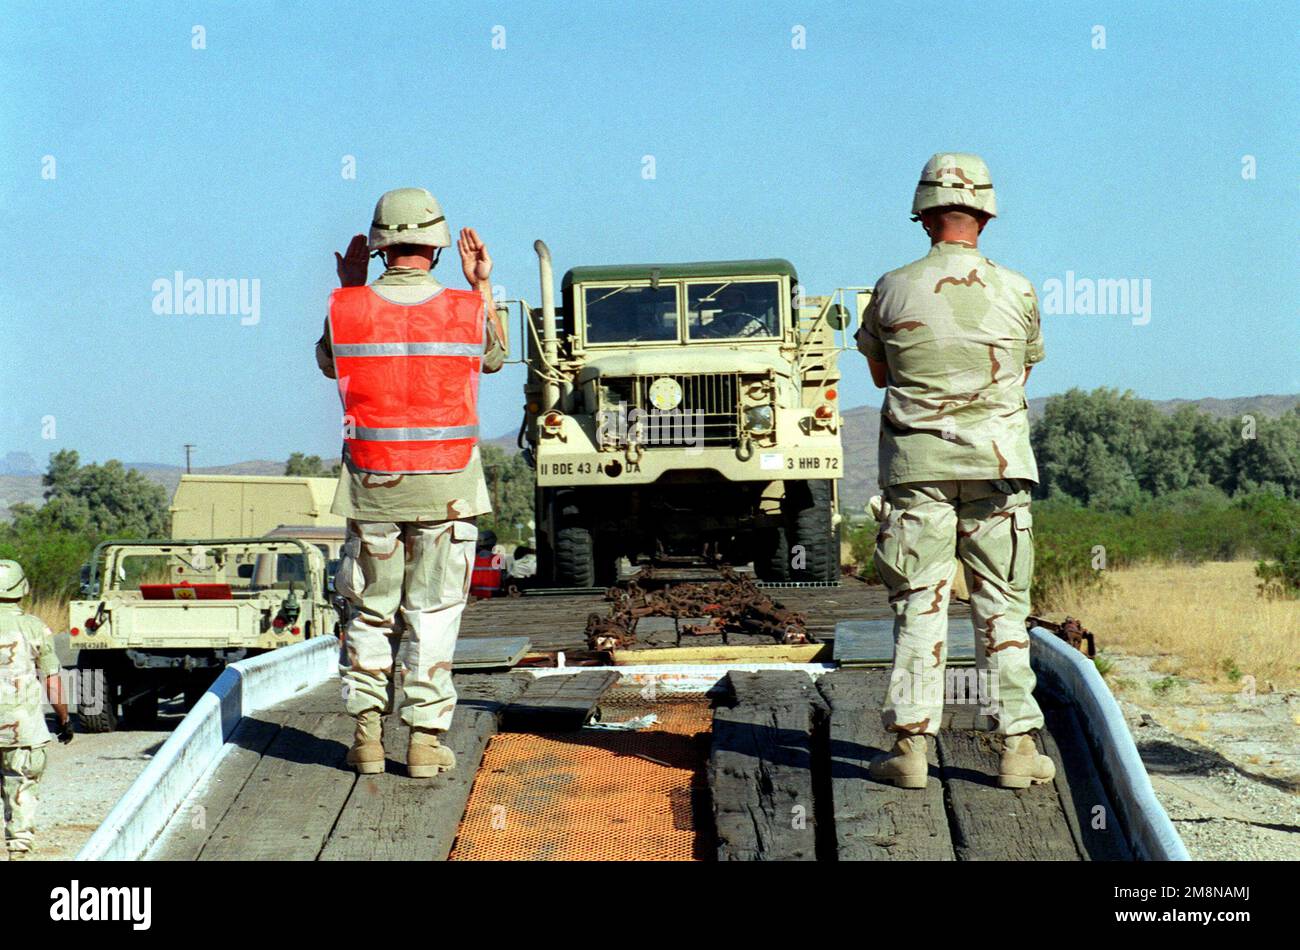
<point>408,378</point>
<point>485,579</point>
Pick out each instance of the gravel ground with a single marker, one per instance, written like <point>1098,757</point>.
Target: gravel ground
<point>1225,766</point>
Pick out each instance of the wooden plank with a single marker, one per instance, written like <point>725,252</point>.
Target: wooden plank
<point>326,697</point>
<point>188,830</point>
<point>391,817</point>
<point>558,703</point>
<point>998,824</point>
<point>291,801</point>
<point>760,768</point>
<point>875,821</point>
<point>1080,788</point>
<point>712,655</point>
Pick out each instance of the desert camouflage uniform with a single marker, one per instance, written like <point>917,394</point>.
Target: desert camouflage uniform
<point>956,331</point>
<point>407,559</point>
<point>26,653</point>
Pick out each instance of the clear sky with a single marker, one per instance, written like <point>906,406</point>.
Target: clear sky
<point>129,155</point>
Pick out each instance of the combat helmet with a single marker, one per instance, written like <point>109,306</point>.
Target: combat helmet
<point>13,582</point>
<point>954,179</point>
<point>408,216</point>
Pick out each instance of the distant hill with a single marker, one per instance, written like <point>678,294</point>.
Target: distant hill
<point>20,479</point>
<point>27,487</point>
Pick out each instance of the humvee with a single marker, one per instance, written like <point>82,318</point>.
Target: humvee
<point>685,409</point>
<point>162,617</point>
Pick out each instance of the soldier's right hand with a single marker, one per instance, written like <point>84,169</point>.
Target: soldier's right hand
<point>353,264</point>
<point>65,732</point>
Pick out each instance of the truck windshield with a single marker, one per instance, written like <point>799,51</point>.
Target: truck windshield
<point>733,310</point>
<point>631,314</point>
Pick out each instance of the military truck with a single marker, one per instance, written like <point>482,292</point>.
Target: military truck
<point>685,409</point>
<point>159,618</point>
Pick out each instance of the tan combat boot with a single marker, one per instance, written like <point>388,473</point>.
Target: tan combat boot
<point>907,766</point>
<point>1022,765</point>
<point>425,756</point>
<point>367,752</point>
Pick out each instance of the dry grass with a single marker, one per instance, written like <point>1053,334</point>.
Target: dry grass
<point>53,610</point>
<point>1205,621</point>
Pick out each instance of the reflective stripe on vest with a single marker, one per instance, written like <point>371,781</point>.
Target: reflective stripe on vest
<point>408,379</point>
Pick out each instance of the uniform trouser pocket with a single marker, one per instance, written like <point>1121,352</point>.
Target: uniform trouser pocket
<point>914,556</point>
<point>440,560</point>
<point>22,768</point>
<point>996,545</point>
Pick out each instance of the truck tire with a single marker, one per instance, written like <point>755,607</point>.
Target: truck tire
<point>575,557</point>
<point>772,556</point>
<point>105,720</point>
<point>809,511</point>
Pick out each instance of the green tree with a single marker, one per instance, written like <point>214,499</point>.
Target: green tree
<point>1271,459</point>
<point>510,486</point>
<point>84,504</point>
<point>1092,446</point>
<point>309,466</point>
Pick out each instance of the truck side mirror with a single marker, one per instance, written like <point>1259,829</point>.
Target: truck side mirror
<point>837,317</point>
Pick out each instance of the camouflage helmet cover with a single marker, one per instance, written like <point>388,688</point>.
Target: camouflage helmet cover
<point>408,216</point>
<point>13,582</point>
<point>957,179</point>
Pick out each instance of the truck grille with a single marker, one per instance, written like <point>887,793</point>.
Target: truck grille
<point>710,402</point>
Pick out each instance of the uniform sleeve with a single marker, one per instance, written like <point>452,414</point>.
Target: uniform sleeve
<point>325,353</point>
<point>1034,352</point>
<point>494,353</point>
<point>868,335</point>
<point>47,661</point>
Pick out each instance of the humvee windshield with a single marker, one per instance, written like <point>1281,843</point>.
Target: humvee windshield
<point>733,310</point>
<point>197,565</point>
<point>631,314</point>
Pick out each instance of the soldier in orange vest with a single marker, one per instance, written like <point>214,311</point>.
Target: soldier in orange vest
<point>407,353</point>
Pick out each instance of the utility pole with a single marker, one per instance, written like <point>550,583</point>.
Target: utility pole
<point>189,448</point>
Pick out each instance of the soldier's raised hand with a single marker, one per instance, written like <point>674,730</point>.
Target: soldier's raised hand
<point>474,258</point>
<point>353,264</point>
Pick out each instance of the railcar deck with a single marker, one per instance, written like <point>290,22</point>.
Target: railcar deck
<point>778,770</point>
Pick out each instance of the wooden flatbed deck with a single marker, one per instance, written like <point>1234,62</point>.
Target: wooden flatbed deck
<point>787,774</point>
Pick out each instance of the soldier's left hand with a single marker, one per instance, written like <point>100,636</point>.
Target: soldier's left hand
<point>474,258</point>
<point>65,733</point>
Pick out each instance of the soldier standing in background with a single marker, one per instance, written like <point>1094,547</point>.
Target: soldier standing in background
<point>407,353</point>
<point>952,338</point>
<point>26,656</point>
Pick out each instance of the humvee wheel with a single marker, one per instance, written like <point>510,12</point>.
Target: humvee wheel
<point>105,720</point>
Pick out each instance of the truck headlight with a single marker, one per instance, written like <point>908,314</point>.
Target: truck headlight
<point>665,394</point>
<point>759,419</point>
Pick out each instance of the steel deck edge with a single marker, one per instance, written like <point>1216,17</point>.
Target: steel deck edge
<point>1149,829</point>
<point>198,742</point>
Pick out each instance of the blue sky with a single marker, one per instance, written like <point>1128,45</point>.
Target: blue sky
<point>226,162</point>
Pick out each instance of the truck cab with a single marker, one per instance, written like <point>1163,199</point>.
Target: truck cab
<point>684,409</point>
